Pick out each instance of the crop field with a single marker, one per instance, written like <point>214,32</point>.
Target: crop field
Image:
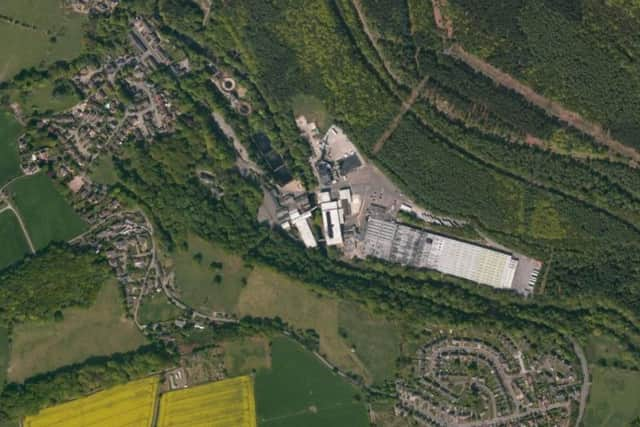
<point>227,403</point>
<point>14,246</point>
<point>299,390</point>
<point>129,405</point>
<point>101,329</point>
<point>9,131</point>
<point>41,32</point>
<point>208,277</point>
<point>47,215</point>
<point>270,294</point>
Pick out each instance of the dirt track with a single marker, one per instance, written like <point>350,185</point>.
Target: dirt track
<point>552,108</point>
<point>406,106</point>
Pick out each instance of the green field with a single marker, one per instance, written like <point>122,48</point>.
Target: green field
<point>376,341</point>
<point>613,400</point>
<point>14,245</point>
<point>101,329</point>
<point>313,109</point>
<point>9,162</point>
<point>103,171</point>
<point>45,33</point>
<point>299,390</point>
<point>196,277</point>
<point>47,215</point>
<point>41,96</point>
<point>244,355</point>
<point>157,308</point>
<point>271,294</point>
<point>4,353</point>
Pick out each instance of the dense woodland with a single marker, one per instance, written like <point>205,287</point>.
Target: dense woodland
<point>579,216</point>
<point>59,277</point>
<point>74,381</point>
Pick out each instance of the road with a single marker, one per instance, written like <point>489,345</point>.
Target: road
<point>22,225</point>
<point>515,417</point>
<point>12,208</point>
<point>586,384</point>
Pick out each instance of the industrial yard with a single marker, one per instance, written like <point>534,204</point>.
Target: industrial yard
<point>357,209</point>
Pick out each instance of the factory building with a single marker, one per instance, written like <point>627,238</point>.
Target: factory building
<point>409,246</point>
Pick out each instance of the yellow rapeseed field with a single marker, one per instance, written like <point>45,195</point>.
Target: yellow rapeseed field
<point>228,403</point>
<point>129,405</point>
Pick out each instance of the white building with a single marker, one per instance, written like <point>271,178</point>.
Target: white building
<point>300,221</point>
<point>332,218</point>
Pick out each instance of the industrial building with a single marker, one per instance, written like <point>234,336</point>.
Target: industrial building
<point>417,248</point>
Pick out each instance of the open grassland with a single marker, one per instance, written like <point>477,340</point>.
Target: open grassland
<point>37,32</point>
<point>42,96</point>
<point>47,215</point>
<point>14,246</point>
<point>4,353</point>
<point>227,403</point>
<point>9,163</point>
<point>375,340</point>
<point>101,329</point>
<point>299,390</point>
<point>208,277</point>
<point>271,294</point>
<point>129,405</point>
<point>613,400</point>
<point>103,171</point>
<point>244,355</point>
<point>157,308</point>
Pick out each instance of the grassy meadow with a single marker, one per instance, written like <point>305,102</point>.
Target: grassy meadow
<point>202,283</point>
<point>157,308</point>
<point>299,390</point>
<point>9,162</point>
<point>41,32</point>
<point>271,294</point>
<point>244,355</point>
<point>41,96</point>
<point>4,353</point>
<point>47,215</point>
<point>613,400</point>
<point>613,397</point>
<point>101,329</point>
<point>103,171</point>
<point>14,246</point>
